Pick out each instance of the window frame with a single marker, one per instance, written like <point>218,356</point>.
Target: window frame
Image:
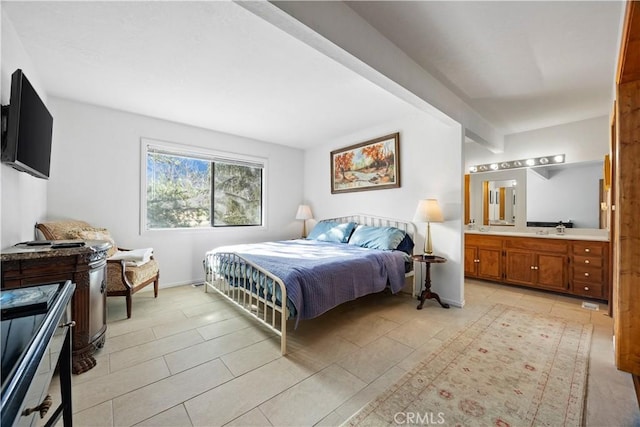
<point>199,153</point>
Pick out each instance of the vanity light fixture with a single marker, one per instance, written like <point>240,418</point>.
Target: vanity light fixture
<point>513,164</point>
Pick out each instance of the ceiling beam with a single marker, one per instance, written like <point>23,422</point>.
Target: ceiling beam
<point>340,33</point>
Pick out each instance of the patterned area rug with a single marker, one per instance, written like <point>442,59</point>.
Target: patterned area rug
<point>509,368</point>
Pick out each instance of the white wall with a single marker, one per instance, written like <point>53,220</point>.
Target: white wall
<point>23,197</point>
<point>581,141</point>
<point>430,167</point>
<point>95,176</point>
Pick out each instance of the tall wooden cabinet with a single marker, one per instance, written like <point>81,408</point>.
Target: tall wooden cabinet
<point>626,191</point>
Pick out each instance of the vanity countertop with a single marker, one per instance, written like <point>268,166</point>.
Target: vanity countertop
<point>601,237</point>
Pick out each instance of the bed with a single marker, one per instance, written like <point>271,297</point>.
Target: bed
<point>342,259</point>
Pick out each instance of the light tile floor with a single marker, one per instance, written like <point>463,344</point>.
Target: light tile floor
<point>188,358</point>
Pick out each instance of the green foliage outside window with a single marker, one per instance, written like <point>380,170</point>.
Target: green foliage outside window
<point>180,189</point>
<point>238,195</point>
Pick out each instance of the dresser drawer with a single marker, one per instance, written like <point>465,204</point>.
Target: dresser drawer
<point>39,388</point>
<point>593,290</point>
<point>588,248</point>
<point>36,394</point>
<point>587,274</point>
<point>537,245</point>
<point>592,261</point>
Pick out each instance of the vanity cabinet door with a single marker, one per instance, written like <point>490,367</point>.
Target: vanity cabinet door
<point>541,270</point>
<point>471,261</point>
<point>483,263</point>
<point>483,257</point>
<point>490,263</point>
<point>552,272</point>
<point>519,267</point>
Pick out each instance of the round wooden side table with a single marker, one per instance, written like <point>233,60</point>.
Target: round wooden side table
<point>426,294</point>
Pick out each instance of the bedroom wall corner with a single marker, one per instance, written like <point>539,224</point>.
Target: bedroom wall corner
<point>431,166</point>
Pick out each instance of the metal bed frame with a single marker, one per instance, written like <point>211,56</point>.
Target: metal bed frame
<point>249,293</point>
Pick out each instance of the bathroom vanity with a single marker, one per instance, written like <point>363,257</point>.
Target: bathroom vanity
<point>571,264</point>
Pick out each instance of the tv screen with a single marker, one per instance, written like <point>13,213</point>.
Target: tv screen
<point>26,144</point>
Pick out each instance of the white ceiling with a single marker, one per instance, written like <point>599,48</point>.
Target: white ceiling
<point>208,64</point>
<point>522,65</point>
<point>218,66</point>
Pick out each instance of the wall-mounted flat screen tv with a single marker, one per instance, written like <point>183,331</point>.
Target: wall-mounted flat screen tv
<point>27,128</point>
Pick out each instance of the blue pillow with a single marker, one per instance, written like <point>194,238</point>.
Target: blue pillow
<point>406,245</point>
<point>385,238</point>
<point>331,231</point>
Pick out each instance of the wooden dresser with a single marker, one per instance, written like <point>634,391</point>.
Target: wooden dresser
<point>86,267</point>
<point>570,266</point>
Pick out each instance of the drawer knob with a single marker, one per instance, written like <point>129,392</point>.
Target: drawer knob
<point>586,261</point>
<point>587,250</point>
<point>69,324</point>
<point>586,288</point>
<point>586,274</point>
<point>43,408</point>
<point>532,267</point>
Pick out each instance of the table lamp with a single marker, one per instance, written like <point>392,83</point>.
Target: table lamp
<point>304,213</point>
<point>428,211</point>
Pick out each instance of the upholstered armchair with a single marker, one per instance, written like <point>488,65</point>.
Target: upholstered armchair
<point>124,276</point>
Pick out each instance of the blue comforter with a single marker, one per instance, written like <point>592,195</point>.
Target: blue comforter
<point>320,275</point>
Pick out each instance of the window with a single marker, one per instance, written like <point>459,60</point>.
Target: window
<point>190,189</point>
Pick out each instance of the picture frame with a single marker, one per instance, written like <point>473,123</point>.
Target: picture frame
<point>369,165</point>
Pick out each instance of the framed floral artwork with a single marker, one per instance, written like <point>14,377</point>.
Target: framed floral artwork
<point>370,165</point>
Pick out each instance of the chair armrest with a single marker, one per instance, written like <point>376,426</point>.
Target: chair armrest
<point>120,267</point>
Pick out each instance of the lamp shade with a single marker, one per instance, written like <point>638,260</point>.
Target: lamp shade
<point>304,212</point>
<point>428,210</point>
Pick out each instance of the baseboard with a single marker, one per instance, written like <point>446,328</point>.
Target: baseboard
<point>453,303</point>
<point>171,285</point>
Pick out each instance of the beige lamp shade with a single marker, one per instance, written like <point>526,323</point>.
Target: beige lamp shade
<point>428,211</point>
<point>304,213</point>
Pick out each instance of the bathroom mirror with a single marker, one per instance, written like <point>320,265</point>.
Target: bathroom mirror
<point>499,202</point>
<point>569,192</point>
